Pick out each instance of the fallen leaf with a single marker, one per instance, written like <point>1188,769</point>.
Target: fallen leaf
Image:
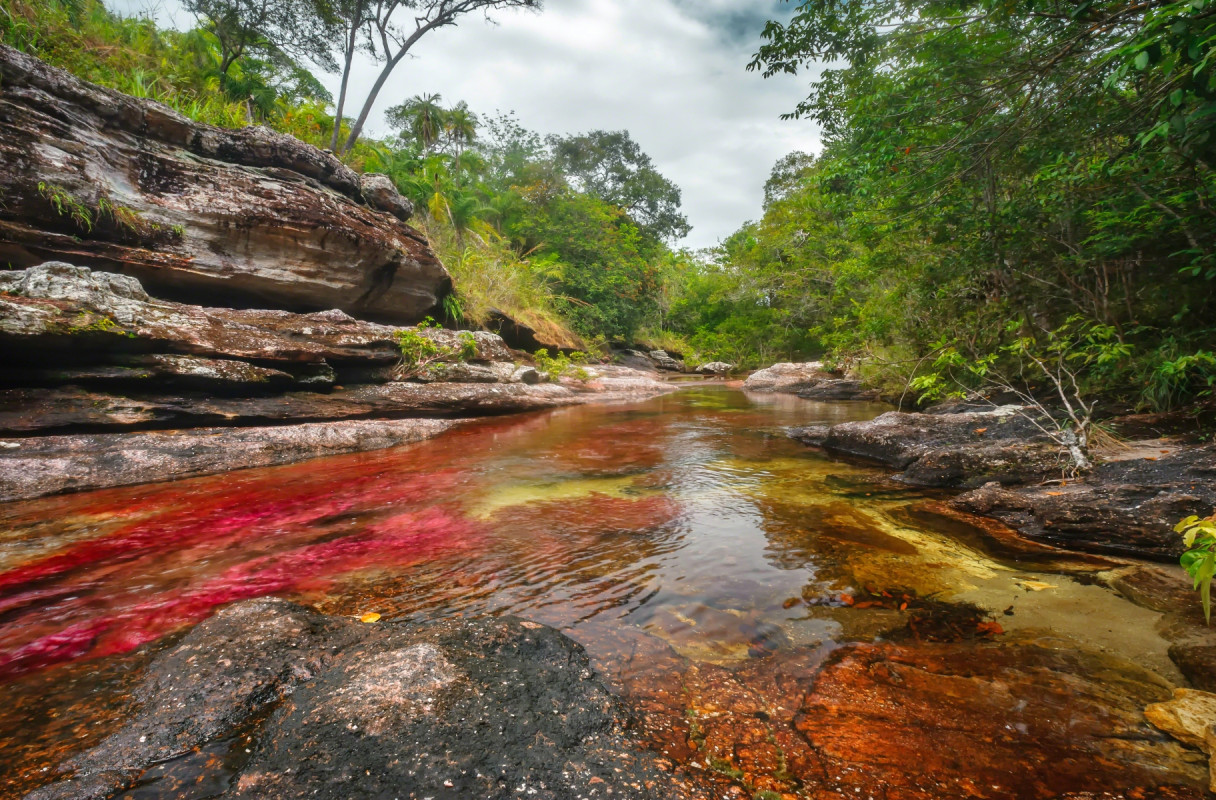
<point>370,617</point>
<point>847,599</point>
<point>990,627</point>
<point>791,602</point>
<point>981,431</point>
<point>1035,586</point>
<point>1054,494</point>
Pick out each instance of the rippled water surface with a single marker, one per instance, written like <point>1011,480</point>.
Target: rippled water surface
<point>688,522</point>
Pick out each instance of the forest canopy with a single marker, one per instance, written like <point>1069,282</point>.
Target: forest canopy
<point>993,177</point>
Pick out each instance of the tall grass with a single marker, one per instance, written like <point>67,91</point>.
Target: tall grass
<point>491,276</point>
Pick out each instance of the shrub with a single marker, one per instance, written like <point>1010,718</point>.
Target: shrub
<point>1199,560</point>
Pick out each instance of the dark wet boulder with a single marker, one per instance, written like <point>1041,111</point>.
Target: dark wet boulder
<point>966,449</point>
<point>333,708</point>
<point>635,359</point>
<point>666,362</point>
<point>1125,507</point>
<point>245,217</point>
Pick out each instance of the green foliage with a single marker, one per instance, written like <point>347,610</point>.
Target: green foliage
<point>559,365</point>
<point>1199,560</point>
<point>991,172</point>
<point>66,205</point>
<point>421,353</point>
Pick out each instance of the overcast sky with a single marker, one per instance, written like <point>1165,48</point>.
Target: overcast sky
<point>671,72</point>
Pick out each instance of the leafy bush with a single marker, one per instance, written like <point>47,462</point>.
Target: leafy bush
<point>560,366</point>
<point>421,354</point>
<point>1199,560</point>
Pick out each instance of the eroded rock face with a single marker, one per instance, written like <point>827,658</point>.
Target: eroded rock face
<point>89,353</point>
<point>1124,507</point>
<point>456,710</point>
<point>245,217</point>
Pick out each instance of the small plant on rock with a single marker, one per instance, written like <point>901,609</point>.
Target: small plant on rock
<point>560,365</point>
<point>421,354</point>
<point>1199,560</point>
<point>66,205</point>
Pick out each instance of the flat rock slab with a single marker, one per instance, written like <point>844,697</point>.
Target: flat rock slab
<point>1122,508</point>
<point>337,709</point>
<point>54,464</point>
<point>246,217</point>
<point>964,449</point>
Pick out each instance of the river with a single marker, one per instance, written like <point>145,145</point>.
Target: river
<point>683,538</point>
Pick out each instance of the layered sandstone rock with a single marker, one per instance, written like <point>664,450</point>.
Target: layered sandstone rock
<point>105,386</point>
<point>244,217</point>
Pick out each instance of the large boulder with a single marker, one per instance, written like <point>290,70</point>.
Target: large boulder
<point>244,217</point>
<point>332,708</point>
<point>962,450</point>
<point>788,377</point>
<point>715,368</point>
<point>666,362</point>
<point>1125,507</point>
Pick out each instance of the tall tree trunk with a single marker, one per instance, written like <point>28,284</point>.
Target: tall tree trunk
<point>389,66</point>
<point>357,128</point>
<point>350,57</point>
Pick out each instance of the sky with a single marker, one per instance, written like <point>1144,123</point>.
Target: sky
<point>671,72</point>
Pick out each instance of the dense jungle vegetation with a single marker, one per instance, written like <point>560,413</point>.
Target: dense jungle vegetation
<point>997,180</point>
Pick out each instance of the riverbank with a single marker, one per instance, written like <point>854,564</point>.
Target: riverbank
<point>107,386</point>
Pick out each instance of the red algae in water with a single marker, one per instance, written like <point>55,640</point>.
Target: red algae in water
<point>280,547</point>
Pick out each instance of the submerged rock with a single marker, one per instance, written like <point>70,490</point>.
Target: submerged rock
<point>245,217</point>
<point>338,709</point>
<point>956,720</point>
<point>1190,718</point>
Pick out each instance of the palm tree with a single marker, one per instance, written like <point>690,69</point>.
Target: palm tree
<point>422,117</point>
<point>460,125</point>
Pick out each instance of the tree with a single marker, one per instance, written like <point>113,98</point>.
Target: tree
<point>352,19</point>
<point>420,118</point>
<point>391,42</point>
<point>611,166</point>
<point>270,29</point>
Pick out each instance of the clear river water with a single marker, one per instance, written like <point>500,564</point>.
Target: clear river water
<point>710,566</point>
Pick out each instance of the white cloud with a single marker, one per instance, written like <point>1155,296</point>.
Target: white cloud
<point>672,72</point>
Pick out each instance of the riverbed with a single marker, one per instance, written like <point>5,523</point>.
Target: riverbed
<point>743,593</point>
